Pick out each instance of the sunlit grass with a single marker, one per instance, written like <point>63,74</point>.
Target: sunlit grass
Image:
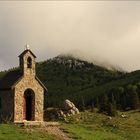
<point>94,126</point>
<point>11,132</point>
<point>86,126</point>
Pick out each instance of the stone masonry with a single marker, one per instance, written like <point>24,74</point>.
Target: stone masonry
<point>14,103</point>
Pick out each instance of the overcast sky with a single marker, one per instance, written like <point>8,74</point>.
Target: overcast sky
<point>107,32</point>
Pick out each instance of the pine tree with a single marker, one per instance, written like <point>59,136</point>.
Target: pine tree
<point>83,104</point>
<point>114,102</point>
<point>92,107</point>
<point>135,100</point>
<point>120,98</point>
<point>103,106</point>
<point>111,110</point>
<point>112,107</point>
<point>97,103</point>
<point>134,97</point>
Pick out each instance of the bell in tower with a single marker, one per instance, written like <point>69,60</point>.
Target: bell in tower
<point>27,62</point>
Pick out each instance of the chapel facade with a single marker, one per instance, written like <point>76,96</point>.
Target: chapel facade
<point>21,92</point>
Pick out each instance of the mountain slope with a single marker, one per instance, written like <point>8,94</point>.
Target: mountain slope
<point>67,77</point>
<point>81,82</point>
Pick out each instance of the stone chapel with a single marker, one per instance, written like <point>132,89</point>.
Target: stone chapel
<point>21,92</point>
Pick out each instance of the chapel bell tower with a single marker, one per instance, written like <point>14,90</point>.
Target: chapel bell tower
<point>27,62</point>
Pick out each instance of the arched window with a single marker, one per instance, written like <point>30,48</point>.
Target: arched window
<point>29,62</point>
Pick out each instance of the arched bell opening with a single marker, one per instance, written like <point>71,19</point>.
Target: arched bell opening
<point>29,62</point>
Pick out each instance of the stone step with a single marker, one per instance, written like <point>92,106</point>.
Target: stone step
<point>37,123</point>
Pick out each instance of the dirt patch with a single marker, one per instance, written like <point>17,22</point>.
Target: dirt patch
<point>55,130</point>
<point>52,130</point>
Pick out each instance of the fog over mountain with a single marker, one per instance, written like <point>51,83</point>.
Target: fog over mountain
<point>107,32</point>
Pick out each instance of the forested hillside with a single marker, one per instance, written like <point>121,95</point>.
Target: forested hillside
<point>67,77</point>
<point>87,85</point>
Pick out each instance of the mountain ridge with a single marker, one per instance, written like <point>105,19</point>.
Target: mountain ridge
<point>82,82</point>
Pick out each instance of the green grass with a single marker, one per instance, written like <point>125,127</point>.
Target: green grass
<point>11,132</point>
<point>94,126</point>
<point>86,126</point>
<point>84,132</point>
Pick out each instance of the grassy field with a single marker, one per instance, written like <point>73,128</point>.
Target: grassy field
<point>94,126</point>
<point>86,126</point>
<point>11,132</point>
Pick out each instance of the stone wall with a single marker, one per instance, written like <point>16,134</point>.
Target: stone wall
<point>13,101</point>
<point>6,105</point>
<point>29,82</point>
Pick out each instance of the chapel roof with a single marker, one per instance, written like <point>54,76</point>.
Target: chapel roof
<point>10,79</point>
<point>25,51</point>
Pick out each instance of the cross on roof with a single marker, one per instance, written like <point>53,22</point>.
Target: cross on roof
<point>27,47</point>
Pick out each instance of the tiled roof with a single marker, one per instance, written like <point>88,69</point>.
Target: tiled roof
<point>10,79</point>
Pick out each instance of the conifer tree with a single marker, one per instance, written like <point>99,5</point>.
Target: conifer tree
<point>135,100</point>
<point>92,107</point>
<point>134,97</point>
<point>111,110</point>
<point>112,107</point>
<point>103,106</point>
<point>97,103</point>
<point>83,104</point>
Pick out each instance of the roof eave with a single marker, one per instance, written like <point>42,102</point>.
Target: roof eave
<point>41,83</point>
<point>13,86</point>
<point>27,51</point>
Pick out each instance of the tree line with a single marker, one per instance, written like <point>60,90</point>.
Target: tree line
<point>119,98</point>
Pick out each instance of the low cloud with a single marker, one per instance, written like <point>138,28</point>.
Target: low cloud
<point>102,31</point>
